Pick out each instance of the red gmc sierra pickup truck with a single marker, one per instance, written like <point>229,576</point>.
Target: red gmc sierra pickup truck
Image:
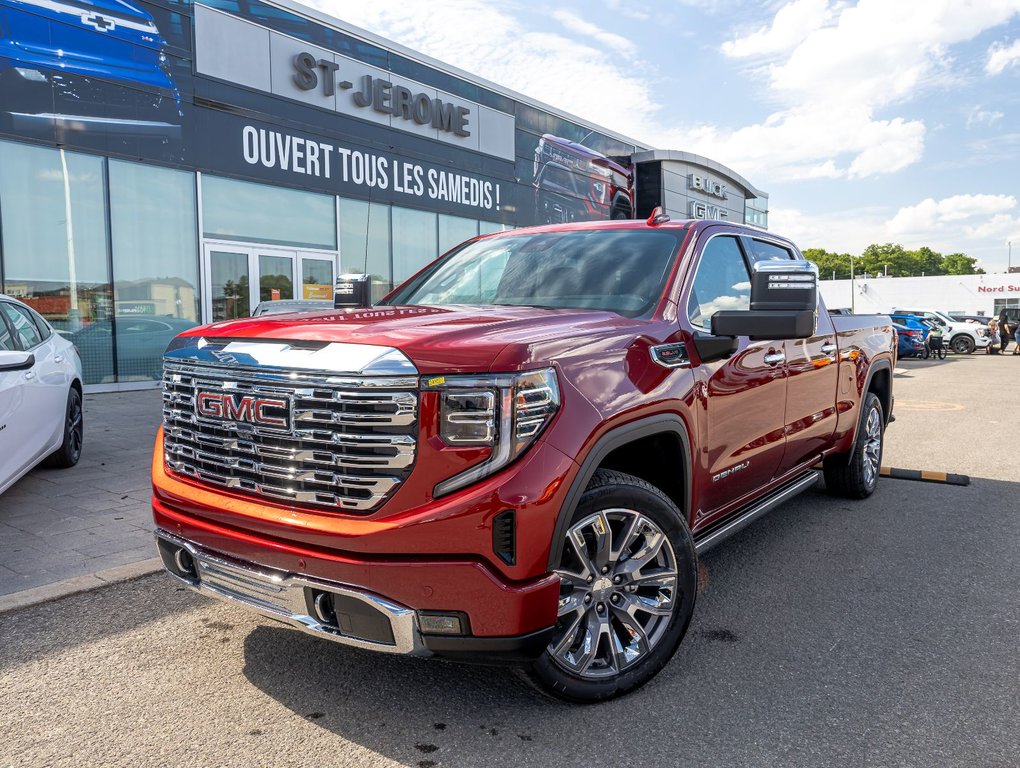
<point>521,453</point>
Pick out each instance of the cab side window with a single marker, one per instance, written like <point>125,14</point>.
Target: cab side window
<point>722,281</point>
<point>759,250</point>
<point>28,335</point>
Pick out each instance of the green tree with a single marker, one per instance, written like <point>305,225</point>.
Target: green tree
<point>960,264</point>
<point>829,263</point>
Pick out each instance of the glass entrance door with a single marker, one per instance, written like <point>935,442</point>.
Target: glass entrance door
<point>228,293</point>
<point>237,278</point>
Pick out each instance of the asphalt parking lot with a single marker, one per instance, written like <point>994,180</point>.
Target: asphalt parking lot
<point>878,633</point>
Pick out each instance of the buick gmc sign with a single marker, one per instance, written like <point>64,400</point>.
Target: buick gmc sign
<point>381,95</point>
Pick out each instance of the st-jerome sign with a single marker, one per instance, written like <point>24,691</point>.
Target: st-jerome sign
<point>381,95</point>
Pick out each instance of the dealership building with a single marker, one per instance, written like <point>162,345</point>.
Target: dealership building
<point>169,163</point>
<point>955,294</point>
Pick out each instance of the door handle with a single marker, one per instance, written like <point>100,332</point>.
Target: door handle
<point>828,348</point>
<point>30,374</point>
<point>58,359</point>
<point>775,358</point>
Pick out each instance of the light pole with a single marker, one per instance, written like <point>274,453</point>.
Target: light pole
<point>1009,257</point>
<point>852,297</point>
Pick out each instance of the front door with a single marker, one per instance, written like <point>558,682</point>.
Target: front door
<point>743,398</point>
<point>240,277</point>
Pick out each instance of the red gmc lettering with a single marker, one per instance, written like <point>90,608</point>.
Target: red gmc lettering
<point>250,409</point>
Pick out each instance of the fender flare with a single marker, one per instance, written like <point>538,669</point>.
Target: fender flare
<point>664,423</point>
<point>878,365</point>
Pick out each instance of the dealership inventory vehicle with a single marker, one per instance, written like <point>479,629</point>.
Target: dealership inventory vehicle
<point>86,65</point>
<point>522,452</point>
<point>909,341</point>
<point>962,338</point>
<point>40,394</point>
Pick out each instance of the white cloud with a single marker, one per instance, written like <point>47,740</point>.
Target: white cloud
<point>629,8</point>
<point>791,25</point>
<point>839,76</point>
<point>575,23</point>
<point>1001,56</point>
<point>958,210</point>
<point>979,116</point>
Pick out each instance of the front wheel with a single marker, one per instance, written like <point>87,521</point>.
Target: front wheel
<point>69,452</point>
<point>855,476</point>
<point>962,345</point>
<point>628,580</point>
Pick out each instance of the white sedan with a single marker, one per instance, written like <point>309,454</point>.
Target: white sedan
<point>40,394</point>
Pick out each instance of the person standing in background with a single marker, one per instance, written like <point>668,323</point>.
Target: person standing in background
<point>1005,330</point>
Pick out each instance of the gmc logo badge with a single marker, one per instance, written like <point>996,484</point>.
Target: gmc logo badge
<point>244,409</point>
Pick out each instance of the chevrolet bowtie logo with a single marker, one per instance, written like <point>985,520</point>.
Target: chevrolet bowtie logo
<point>98,22</point>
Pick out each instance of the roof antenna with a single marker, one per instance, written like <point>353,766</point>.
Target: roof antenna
<point>659,216</point>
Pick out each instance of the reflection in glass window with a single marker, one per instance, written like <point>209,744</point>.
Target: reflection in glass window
<point>414,241</point>
<point>454,230</point>
<point>54,243</point>
<point>243,210</point>
<point>491,227</point>
<point>155,261</point>
<point>759,250</point>
<point>722,281</point>
<point>365,243</point>
<point>316,278</point>
<point>24,329</point>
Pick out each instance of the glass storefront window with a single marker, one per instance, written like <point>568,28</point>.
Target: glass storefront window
<point>491,227</point>
<point>414,241</point>
<point>55,247</point>
<point>155,263</point>
<point>243,210</point>
<point>365,243</point>
<point>454,230</point>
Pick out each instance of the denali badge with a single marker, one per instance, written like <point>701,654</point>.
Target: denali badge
<point>243,409</point>
<point>727,472</point>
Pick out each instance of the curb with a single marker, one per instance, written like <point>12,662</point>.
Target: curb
<point>44,594</point>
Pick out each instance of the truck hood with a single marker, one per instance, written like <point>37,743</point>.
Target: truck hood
<point>462,339</point>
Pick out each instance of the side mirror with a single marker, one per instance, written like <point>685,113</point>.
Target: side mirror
<point>16,361</point>
<point>352,291</point>
<point>784,303</point>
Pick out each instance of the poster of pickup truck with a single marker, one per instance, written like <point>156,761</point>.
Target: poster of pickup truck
<point>575,183</point>
<point>88,72</point>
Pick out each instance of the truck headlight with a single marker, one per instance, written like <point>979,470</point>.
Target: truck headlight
<point>505,413</point>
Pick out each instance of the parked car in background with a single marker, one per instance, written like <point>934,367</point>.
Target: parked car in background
<point>909,341</point>
<point>979,319</point>
<point>40,394</point>
<point>962,338</point>
<point>292,305</point>
<point>140,341</point>
<point>912,322</point>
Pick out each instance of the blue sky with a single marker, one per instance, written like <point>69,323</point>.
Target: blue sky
<point>867,121</point>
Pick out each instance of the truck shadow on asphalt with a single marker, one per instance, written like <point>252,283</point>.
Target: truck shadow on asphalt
<point>816,632</point>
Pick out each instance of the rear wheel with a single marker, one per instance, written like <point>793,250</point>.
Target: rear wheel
<point>962,344</point>
<point>628,576</point>
<point>69,452</point>
<point>855,476</point>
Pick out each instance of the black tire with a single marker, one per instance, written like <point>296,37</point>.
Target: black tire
<point>641,573</point>
<point>69,452</point>
<point>856,476</point>
<point>962,344</point>
<point>619,214</point>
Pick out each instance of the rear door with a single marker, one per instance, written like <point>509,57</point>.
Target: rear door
<point>743,398</point>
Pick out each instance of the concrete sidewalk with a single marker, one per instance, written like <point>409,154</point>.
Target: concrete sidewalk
<point>57,525</point>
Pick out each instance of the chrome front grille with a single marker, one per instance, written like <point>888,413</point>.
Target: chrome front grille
<point>347,444</point>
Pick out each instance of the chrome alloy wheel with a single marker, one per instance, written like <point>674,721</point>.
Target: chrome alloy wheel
<point>618,583</point>
<point>74,427</point>
<point>872,446</point>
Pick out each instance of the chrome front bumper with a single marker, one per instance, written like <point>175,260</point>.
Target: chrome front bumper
<point>289,598</point>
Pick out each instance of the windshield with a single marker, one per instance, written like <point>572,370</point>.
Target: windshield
<point>622,271</point>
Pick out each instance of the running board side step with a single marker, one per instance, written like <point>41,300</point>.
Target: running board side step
<point>752,513</point>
